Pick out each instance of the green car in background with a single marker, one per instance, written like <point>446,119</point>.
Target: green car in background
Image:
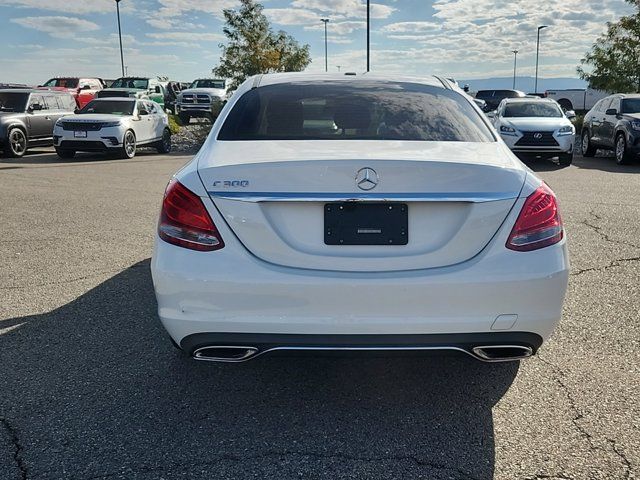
<point>137,87</point>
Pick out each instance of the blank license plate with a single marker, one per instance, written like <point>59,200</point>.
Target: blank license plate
<point>80,134</point>
<point>352,223</point>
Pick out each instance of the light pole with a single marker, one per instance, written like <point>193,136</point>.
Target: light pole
<point>326,61</point>
<point>537,55</point>
<point>368,32</point>
<point>515,62</point>
<point>120,35</point>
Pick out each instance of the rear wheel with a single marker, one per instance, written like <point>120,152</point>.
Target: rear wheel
<point>128,149</point>
<point>164,145</point>
<point>17,143</point>
<point>565,159</point>
<point>65,153</point>
<point>623,156</point>
<point>185,118</point>
<point>588,149</point>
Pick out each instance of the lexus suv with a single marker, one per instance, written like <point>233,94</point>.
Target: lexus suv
<point>27,117</point>
<point>357,213</point>
<point>613,124</point>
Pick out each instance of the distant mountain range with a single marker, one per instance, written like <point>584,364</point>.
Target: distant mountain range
<point>526,84</point>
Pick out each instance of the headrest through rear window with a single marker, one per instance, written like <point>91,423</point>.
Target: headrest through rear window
<point>352,116</point>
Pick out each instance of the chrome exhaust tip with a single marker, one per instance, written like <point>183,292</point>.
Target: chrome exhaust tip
<point>224,353</point>
<point>501,353</point>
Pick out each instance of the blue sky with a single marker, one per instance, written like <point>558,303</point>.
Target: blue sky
<point>179,38</point>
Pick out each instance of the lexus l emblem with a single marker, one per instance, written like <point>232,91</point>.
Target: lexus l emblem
<point>367,178</point>
<point>537,136</point>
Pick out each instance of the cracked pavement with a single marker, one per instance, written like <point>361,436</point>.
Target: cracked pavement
<point>92,389</point>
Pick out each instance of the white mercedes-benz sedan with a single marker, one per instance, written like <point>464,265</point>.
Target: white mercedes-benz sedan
<point>113,125</point>
<point>536,127</point>
<point>344,213</point>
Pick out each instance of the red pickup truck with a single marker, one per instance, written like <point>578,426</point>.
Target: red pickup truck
<point>83,89</point>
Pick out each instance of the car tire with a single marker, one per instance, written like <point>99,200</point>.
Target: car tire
<point>17,143</point>
<point>66,154</point>
<point>164,145</point>
<point>565,159</point>
<point>623,156</point>
<point>588,148</point>
<point>185,118</point>
<point>129,146</point>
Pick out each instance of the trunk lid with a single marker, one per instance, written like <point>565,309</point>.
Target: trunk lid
<point>273,195</point>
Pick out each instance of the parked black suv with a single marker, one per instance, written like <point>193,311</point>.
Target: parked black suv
<point>27,117</point>
<point>494,97</point>
<point>614,124</point>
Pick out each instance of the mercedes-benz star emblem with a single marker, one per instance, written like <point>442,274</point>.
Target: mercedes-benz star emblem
<point>367,178</point>
<point>537,136</point>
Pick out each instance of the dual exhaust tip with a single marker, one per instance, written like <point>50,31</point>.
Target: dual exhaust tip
<point>236,354</point>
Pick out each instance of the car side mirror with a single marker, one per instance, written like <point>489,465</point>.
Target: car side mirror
<point>570,114</point>
<point>34,107</point>
<point>611,111</point>
<point>143,112</point>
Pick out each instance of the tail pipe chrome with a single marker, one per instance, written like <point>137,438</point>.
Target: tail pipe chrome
<point>224,353</point>
<point>501,353</point>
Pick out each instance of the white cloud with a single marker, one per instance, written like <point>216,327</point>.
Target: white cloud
<point>62,27</point>
<point>64,6</point>
<point>348,8</point>
<point>340,28</point>
<point>187,36</point>
<point>292,16</point>
<point>411,27</point>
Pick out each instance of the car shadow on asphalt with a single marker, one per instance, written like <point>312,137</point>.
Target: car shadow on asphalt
<point>45,157</point>
<point>603,162</point>
<point>94,389</point>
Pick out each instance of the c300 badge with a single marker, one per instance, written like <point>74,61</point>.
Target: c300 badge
<point>231,183</point>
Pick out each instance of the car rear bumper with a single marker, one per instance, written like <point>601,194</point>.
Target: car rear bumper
<point>231,291</point>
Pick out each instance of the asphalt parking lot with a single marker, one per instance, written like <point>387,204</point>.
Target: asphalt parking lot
<point>91,388</point>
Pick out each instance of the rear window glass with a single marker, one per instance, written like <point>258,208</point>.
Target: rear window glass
<point>13,102</point>
<point>631,105</point>
<point>482,94</point>
<point>62,82</point>
<point>363,110</point>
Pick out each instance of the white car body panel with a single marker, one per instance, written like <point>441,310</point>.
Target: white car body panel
<point>276,276</point>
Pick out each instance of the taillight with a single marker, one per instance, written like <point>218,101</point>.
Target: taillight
<point>184,220</point>
<point>539,224</point>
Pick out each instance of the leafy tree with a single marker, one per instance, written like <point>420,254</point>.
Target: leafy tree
<point>614,59</point>
<point>254,48</point>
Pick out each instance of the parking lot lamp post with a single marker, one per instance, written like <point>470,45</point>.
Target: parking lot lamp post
<point>515,63</point>
<point>326,61</point>
<point>120,36</point>
<point>538,55</point>
<point>368,32</point>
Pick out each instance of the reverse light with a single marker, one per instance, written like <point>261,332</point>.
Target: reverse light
<point>185,222</point>
<point>539,224</point>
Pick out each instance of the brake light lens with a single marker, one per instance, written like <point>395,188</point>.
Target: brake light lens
<point>184,220</point>
<point>539,224</point>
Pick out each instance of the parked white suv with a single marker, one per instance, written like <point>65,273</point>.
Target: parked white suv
<point>536,127</point>
<point>117,125</point>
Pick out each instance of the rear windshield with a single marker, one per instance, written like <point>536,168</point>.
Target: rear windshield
<point>363,110</point>
<point>62,82</point>
<point>207,84</point>
<point>631,105</point>
<point>112,107</point>
<point>482,94</point>
<point>532,109</point>
<point>13,102</point>
<point>142,83</point>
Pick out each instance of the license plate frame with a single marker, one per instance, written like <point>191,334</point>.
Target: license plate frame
<point>366,223</point>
